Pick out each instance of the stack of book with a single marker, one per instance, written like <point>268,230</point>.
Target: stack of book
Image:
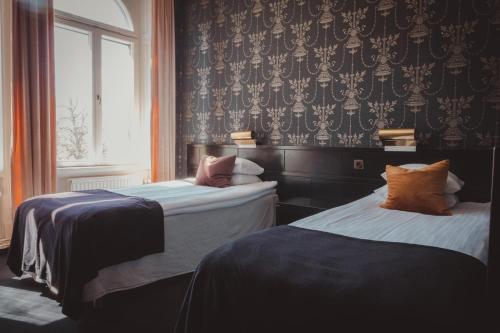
<point>244,139</point>
<point>401,139</point>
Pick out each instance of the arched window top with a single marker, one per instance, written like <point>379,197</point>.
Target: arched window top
<point>111,12</point>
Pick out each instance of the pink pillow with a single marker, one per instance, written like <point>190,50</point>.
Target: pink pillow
<point>215,171</point>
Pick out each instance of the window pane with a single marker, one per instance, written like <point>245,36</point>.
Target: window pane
<point>74,95</point>
<point>112,12</point>
<point>119,122</point>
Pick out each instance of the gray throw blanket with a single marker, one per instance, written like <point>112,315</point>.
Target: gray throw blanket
<point>65,239</point>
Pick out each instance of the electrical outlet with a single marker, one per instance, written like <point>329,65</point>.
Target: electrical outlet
<point>359,165</point>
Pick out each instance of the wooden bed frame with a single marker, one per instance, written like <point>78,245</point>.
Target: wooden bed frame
<point>494,250</point>
<point>323,177</point>
<point>326,177</point>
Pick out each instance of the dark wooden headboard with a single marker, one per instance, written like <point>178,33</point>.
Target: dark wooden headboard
<point>494,250</point>
<point>326,177</point>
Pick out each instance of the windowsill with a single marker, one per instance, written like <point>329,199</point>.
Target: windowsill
<point>94,170</point>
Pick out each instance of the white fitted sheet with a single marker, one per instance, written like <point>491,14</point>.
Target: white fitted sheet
<point>466,231</point>
<point>193,228</point>
<point>182,196</point>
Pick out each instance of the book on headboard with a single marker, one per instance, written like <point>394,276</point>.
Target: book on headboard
<point>409,148</point>
<point>243,135</point>
<point>244,139</point>
<point>247,143</point>
<point>399,139</point>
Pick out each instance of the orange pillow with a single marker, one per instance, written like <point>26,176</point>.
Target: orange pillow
<point>420,190</point>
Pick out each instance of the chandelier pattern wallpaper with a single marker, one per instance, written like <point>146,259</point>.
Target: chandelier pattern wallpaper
<point>332,73</point>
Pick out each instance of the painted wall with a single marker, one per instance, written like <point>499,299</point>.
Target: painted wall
<point>331,73</point>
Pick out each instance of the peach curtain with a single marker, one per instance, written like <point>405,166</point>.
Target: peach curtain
<point>33,160</point>
<point>163,91</point>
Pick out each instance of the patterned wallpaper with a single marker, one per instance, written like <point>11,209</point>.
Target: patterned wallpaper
<point>331,73</point>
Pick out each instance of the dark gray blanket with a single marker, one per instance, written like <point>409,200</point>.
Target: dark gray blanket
<point>65,240</point>
<point>289,279</point>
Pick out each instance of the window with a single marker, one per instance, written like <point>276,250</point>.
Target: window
<point>110,12</point>
<point>98,122</point>
<point>74,94</point>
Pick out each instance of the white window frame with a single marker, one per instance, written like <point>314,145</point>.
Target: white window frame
<point>97,31</point>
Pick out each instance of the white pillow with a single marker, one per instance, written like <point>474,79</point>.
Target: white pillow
<point>244,179</point>
<point>243,166</point>
<point>191,180</point>
<point>453,183</point>
<point>451,199</point>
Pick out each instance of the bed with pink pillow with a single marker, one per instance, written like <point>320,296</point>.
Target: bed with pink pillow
<point>224,202</point>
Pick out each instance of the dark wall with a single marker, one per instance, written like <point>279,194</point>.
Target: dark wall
<point>331,73</point>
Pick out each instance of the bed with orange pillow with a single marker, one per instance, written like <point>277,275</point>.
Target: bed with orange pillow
<point>405,258</point>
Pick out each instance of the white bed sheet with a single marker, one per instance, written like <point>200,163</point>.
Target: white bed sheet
<point>182,196</point>
<point>466,231</point>
<point>194,226</point>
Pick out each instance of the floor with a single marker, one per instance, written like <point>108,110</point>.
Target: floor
<point>26,306</point>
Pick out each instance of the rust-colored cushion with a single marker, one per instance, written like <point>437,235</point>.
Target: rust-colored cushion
<point>215,171</point>
<point>420,190</point>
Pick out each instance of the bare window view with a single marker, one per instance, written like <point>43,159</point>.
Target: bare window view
<point>72,129</point>
<point>118,118</point>
<point>74,96</point>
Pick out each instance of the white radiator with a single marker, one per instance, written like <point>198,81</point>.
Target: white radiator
<point>105,182</point>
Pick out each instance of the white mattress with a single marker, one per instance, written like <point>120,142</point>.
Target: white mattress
<point>182,196</point>
<point>466,231</point>
<point>198,220</point>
